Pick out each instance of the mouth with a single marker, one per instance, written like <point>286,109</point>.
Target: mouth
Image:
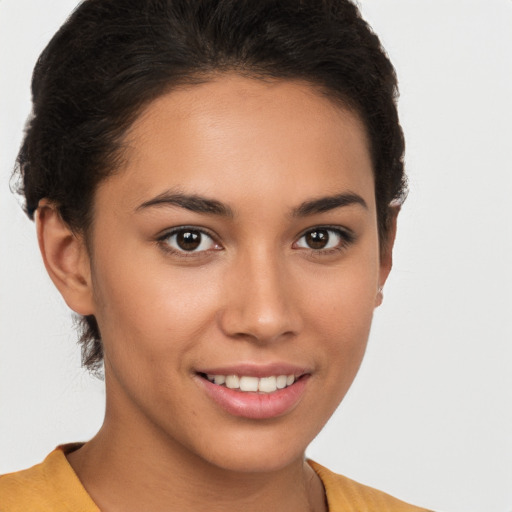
<point>269,395</point>
<point>251,384</point>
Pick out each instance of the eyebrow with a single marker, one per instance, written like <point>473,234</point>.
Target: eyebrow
<point>324,204</point>
<point>200,204</point>
<point>190,202</point>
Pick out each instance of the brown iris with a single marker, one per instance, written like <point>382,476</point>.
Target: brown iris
<point>188,240</point>
<point>317,239</point>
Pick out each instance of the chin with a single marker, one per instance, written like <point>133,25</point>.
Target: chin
<point>261,450</point>
<point>256,461</point>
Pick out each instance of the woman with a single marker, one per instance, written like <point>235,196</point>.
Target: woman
<point>215,186</point>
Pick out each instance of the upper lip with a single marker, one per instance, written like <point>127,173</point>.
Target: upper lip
<point>256,370</point>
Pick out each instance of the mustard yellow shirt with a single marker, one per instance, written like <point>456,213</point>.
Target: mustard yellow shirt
<point>53,486</point>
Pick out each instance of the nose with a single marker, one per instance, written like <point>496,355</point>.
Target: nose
<point>262,300</point>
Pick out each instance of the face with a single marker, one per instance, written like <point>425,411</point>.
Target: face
<point>235,267</point>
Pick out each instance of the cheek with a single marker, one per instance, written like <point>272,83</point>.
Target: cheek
<point>340,314</point>
<point>344,297</point>
<point>146,311</point>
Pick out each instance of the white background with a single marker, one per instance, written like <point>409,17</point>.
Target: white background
<point>429,418</point>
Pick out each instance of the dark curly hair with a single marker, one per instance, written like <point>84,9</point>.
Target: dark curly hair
<point>112,57</point>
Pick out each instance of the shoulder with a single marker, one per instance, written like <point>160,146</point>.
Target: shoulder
<point>346,495</point>
<point>24,490</point>
<point>51,486</point>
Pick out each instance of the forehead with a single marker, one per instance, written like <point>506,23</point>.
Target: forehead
<point>235,136</point>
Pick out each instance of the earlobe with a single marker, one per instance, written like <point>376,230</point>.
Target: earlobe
<point>65,258</point>
<point>379,297</point>
<point>386,254</point>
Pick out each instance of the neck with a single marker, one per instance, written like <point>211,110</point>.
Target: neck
<point>156,473</point>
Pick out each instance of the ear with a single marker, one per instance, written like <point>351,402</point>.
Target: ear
<point>65,258</point>
<point>386,252</point>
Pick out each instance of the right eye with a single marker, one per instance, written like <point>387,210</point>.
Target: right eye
<point>189,240</point>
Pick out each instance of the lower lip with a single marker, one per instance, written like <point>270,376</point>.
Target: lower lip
<point>257,406</point>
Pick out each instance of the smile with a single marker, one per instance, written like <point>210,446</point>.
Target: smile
<point>266,396</point>
<point>247,383</point>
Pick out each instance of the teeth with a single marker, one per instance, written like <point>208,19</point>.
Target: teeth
<point>253,384</point>
<point>281,381</point>
<point>219,379</point>
<point>268,384</point>
<point>249,383</point>
<point>232,381</point>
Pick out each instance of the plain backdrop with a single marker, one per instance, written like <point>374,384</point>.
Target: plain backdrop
<point>429,418</point>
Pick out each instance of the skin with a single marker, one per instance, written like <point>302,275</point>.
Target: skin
<point>257,294</point>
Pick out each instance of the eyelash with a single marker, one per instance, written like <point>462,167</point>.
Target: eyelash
<point>346,238</point>
<point>163,241</point>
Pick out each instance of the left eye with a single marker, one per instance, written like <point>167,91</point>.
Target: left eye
<point>189,240</point>
<point>322,238</point>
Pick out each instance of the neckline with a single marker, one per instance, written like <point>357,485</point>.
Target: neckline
<point>68,482</point>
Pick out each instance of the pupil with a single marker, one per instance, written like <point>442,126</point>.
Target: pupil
<point>317,239</point>
<point>188,240</point>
